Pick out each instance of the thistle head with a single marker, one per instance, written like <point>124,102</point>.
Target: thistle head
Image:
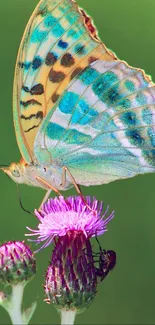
<point>72,276</point>
<point>17,263</point>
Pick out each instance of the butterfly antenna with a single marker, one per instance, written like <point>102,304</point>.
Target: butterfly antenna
<point>21,204</point>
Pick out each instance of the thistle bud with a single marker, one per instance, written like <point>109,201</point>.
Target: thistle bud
<point>17,263</point>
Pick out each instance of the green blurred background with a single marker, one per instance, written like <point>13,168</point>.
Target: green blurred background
<point>128,294</point>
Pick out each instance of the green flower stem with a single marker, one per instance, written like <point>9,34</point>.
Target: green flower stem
<point>14,308</point>
<point>12,304</point>
<point>67,317</point>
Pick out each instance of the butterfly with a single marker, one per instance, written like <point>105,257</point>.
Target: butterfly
<point>81,115</point>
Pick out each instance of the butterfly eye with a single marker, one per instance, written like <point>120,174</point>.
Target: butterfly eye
<point>15,172</point>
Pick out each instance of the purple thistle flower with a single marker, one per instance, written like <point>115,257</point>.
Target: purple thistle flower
<point>72,276</point>
<point>60,215</point>
<point>17,263</point>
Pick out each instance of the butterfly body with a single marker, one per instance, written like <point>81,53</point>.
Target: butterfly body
<point>37,175</point>
<point>77,106</point>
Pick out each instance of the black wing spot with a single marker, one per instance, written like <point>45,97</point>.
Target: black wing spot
<point>56,76</point>
<point>50,59</point>
<point>76,72</point>
<point>33,127</point>
<point>37,89</point>
<point>38,115</point>
<point>26,89</point>
<point>67,60</point>
<point>29,102</point>
<point>55,97</point>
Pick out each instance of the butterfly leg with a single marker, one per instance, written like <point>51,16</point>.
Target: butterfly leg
<point>46,196</point>
<point>42,182</point>
<point>77,187</point>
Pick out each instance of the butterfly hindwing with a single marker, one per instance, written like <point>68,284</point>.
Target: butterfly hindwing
<point>59,42</point>
<point>103,126</point>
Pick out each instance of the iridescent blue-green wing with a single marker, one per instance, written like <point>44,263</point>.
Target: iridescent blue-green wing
<point>103,126</point>
<point>59,42</point>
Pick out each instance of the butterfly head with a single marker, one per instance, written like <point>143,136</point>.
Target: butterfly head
<point>16,171</point>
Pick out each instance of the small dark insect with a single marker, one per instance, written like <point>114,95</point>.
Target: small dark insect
<point>107,261</point>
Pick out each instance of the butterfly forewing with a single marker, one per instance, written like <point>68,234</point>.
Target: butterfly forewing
<point>58,43</point>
